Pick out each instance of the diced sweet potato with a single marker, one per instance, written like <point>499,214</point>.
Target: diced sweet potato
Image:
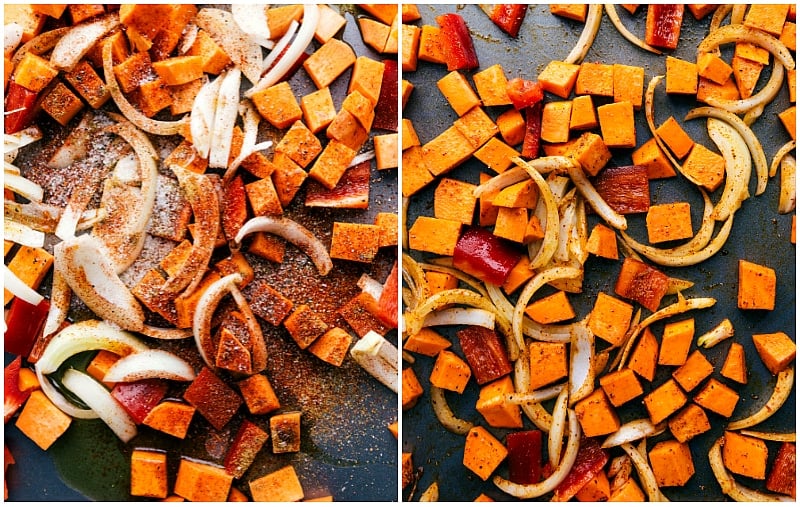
<point>491,85</point>
<point>434,235</point>
<point>590,152</point>
<point>735,366</point>
<point>705,167</point>
<point>617,124</point>
<point>596,415</point>
<point>776,350</point>
<point>332,346</point>
<point>644,356</point>
<point>30,264</point>
<point>285,432</point>
<point>576,12</point>
<point>360,313</point>
<point>450,372</point>
<point>148,473</point>
<point>717,397</point>
<point>330,22</point>
<point>583,115</point>
<point>347,129</point>
<point>386,151</point>
<point>329,62</point>
<point>559,78</point>
<point>549,309</point>
<point>711,66</point>
<point>668,222</point>
<point>214,59</point>
<point>282,485</point>
<point>411,390</point>
<point>258,394</point>
<point>676,341</point>
<point>681,76</point>
<point>62,104</point>
<point>355,242</point>
<point>595,79</point>
<point>213,399</point>
<point>602,242</point>
<point>664,401</point>
<point>745,455</point>
<point>495,409</point>
<point>672,463</point>
<point>458,92</point>
<point>629,84</point>
<point>621,386</point>
<point>549,361</point>
<point>767,17</point>
<point>41,421</point>
<point>171,417</point>
<point>305,325</point>
<point>34,72</point>
<point>318,109</point>
<point>427,342</point>
<point>555,121</point>
<point>610,318</point>
<point>278,105</point>
<point>511,125</point>
<point>483,453</point>
<point>756,286</point>
<point>688,423</point>
<point>693,371</point>
<point>653,159</point>
<point>202,482</point>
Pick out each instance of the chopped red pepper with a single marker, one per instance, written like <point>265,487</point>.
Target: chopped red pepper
<point>483,255</point>
<point>590,460</point>
<point>485,353</point>
<point>24,324</point>
<point>524,456</point>
<point>20,108</point>
<point>783,477</point>
<point>387,303</point>
<point>140,397</point>
<point>351,192</point>
<point>523,92</point>
<point>13,398</point>
<point>456,41</point>
<point>246,444</point>
<point>533,131</point>
<point>386,108</point>
<point>626,188</point>
<point>663,25</point>
<point>508,17</point>
<point>642,283</point>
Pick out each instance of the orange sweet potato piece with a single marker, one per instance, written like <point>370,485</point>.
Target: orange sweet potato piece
<point>412,389</point>
<point>610,318</point>
<point>332,346</point>
<point>282,485</point>
<point>756,286</point>
<point>148,473</point>
<point>549,361</point>
<point>483,453</point>
<point>717,397</point>
<point>777,350</point>
<point>171,417</point>
<point>675,342</point>
<point>693,371</point>
<point>30,264</point>
<point>621,386</point>
<point>688,423</point>
<point>745,455</point>
<point>493,406</point>
<point>434,235</point>
<point>426,342</point>
<point>304,325</point>
<point>329,62</point>
<point>644,356</point>
<point>458,92</point>
<point>550,309</point>
<point>559,78</point>
<point>450,372</point>
<point>41,421</point>
<point>664,401</point>
<point>454,200</point>
<point>597,489</point>
<point>735,366</point>
<point>672,463</point>
<point>491,85</point>
<point>202,482</point>
<point>596,415</point>
<point>258,394</point>
<point>603,242</point>
<point>355,242</point>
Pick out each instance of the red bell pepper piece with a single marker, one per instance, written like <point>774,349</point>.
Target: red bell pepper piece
<point>386,108</point>
<point>24,324</point>
<point>626,189</point>
<point>524,456</point>
<point>483,255</point>
<point>663,25</point>
<point>140,397</point>
<point>20,108</point>
<point>485,353</point>
<point>387,303</point>
<point>13,398</point>
<point>524,93</point>
<point>246,444</point>
<point>783,477</point>
<point>533,131</point>
<point>456,41</point>
<point>590,460</point>
<point>508,17</point>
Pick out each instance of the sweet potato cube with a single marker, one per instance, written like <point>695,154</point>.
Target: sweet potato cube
<point>148,473</point>
<point>410,46</point>
<point>675,342</point>
<point>415,171</point>
<point>675,137</point>
<point>367,78</point>
<point>644,356</point>
<point>483,453</point>
<point>610,318</point>
<point>583,115</point>
<point>767,17</point>
<point>735,366</point>
<point>430,49</point>
<point>151,97</point>
<point>559,78</point>
<point>511,125</point>
<point>591,152</point>
<point>332,163</point>
<point>392,45</point>
<point>496,154</point>
<point>491,85</point>
<point>595,79</point>
<point>408,135</point>
<point>299,144</point>
<point>355,242</point>
<point>450,372</point>
<point>688,423</point>
<point>173,24</point>
<point>360,314</point>
<point>693,371</point>
<point>305,325</point>
<point>282,485</point>
<point>246,444</point>
<point>202,482</point>
<point>426,342</point>
<point>285,432</point>
<point>183,98</point>
<point>711,66</point>
<point>597,489</point>
<point>650,156</point>
<point>437,282</point>
<point>52,10</point>
<point>179,69</point>
<point>214,58</point>
<point>318,109</point>
<point>329,62</point>
<point>171,417</point>
<point>374,33</point>
<point>34,72</point>
<point>664,400</point>
<point>348,130</point>
<point>454,200</point>
<point>387,223</point>
<point>628,84</point>
<point>617,125</point>
<point>576,12</point>
<point>756,286</point>
<point>745,455</point>
<point>717,397</point>
<point>524,194</point>
<point>280,18</point>
<point>555,121</point>
<point>789,35</point>
<point>263,197</point>
<point>788,118</point>
<point>258,394</point>
<point>41,421</point>
<point>476,127</point>
<point>621,386</point>
<point>212,398</point>
<point>24,15</point>
<point>435,235</point>
<point>668,222</point>
<point>81,12</point>
<point>278,105</point>
<point>602,242</point>
<point>330,22</point>
<point>493,406</point>
<point>776,350</point>
<point>458,92</point>
<point>705,167</point>
<point>360,107</point>
<point>672,463</point>
<point>412,390</point>
<point>30,264</point>
<point>100,365</point>
<point>699,11</point>
<point>549,361</point>
<point>550,309</point>
<point>709,89</point>
<point>746,74</point>
<point>596,415</point>
<point>62,104</point>
<point>628,491</point>
<point>511,224</point>
<point>682,76</point>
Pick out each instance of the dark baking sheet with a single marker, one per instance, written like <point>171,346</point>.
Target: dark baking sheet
<point>347,450</point>
<point>759,235</point>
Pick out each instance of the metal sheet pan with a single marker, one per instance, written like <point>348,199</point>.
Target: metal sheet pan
<point>759,235</point>
<point>347,450</point>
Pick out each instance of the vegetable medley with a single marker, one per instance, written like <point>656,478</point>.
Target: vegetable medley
<point>200,241</point>
<point>598,252</point>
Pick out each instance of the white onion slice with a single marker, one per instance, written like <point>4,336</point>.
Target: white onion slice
<point>581,363</point>
<point>250,120</point>
<point>783,388</point>
<point>17,140</point>
<point>22,234</point>
<point>370,285</point>
<point>378,357</point>
<point>460,317</point>
<point>79,40</point>
<point>555,438</point>
<point>782,152</point>
<point>20,289</point>
<point>632,431</point>
<point>208,302</point>
<point>737,167</point>
<point>95,395</point>
<point>225,115</point>
<point>445,414</point>
<point>720,332</point>
<point>252,20</point>
<point>40,44</point>
<point>60,296</point>
<point>304,36</point>
<point>788,194</point>
<point>732,488</point>
<point>538,396</point>
<point>12,36</point>
<point>222,27</point>
<point>771,435</point>
<point>361,158</point>
<point>292,232</point>
<point>611,11</point>
<point>279,46</point>
<point>589,33</point>
<point>741,33</point>
<point>23,186</point>
<point>153,363</point>
<point>645,473</point>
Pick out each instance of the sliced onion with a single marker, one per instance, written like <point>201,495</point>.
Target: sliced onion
<point>632,431</point>
<point>282,43</point>
<point>60,296</point>
<point>527,491</point>
<point>378,357</point>
<point>737,167</point>
<point>258,348</point>
<point>91,275</point>
<point>538,396</point>
<point>788,194</point>
<point>649,96</point>
<point>44,217</point>
<point>460,317</point>
<point>676,285</point>
<point>771,435</point>
<point>97,397</point>
<point>732,488</point>
<point>40,44</point>
<point>17,140</point>
<point>12,36</point>
<point>292,232</point>
<point>445,414</point>
<point>250,121</point>
<point>414,277</point>
<point>550,241</point>
<point>505,179</point>
<point>416,317</point>
<point>20,289</point>
<point>776,160</point>
<point>222,27</point>
<point>753,144</point>
<point>589,33</point>
<point>153,363</point>
<point>201,121</point>
<point>370,285</point>
<point>741,33</point>
<point>473,282</point>
<point>781,392</point>
<point>79,40</point>
<point>431,494</point>
<point>581,363</point>
<point>645,473</point>
<point>252,20</point>
<point>225,115</point>
<point>22,234</point>
<point>23,186</point>
<point>555,438</point>
<point>600,206</point>
<point>311,17</point>
<point>720,332</point>
<point>522,381</point>
<point>206,305</point>
<point>611,12</point>
<point>165,333</point>
<point>737,13</point>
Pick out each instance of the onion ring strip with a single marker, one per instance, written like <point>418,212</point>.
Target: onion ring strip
<point>737,166</point>
<point>771,436</point>
<point>99,399</point>
<point>415,278</point>
<point>40,44</point>
<point>741,33</point>
<point>521,377</point>
<point>550,241</point>
<point>555,437</point>
<point>463,277</point>
<point>783,388</point>
<point>292,232</point>
<point>538,396</point>
<point>445,414</point>
<point>60,296</point>
<point>782,152</point>
<point>590,28</point>
<point>208,302</point>
<point>611,12</point>
<point>79,40</point>
<point>645,473</point>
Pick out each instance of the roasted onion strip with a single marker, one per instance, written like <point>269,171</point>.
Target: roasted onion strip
<point>782,152</point>
<point>783,388</point>
<point>445,414</point>
<point>292,232</point>
<point>590,28</point>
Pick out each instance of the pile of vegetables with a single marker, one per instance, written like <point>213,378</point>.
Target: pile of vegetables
<point>178,194</point>
<point>565,369</point>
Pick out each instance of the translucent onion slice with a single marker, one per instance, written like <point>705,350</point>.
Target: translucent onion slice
<point>581,363</point>
<point>225,115</point>
<point>781,392</point>
<point>737,167</point>
<point>97,397</point>
<point>153,363</point>
<point>431,494</point>
<point>165,333</point>
<point>771,436</point>
<point>206,305</point>
<point>250,121</point>
<point>611,12</point>
<point>527,491</point>
<point>22,234</point>
<point>732,488</point>
<point>79,40</point>
<point>532,410</point>
<point>645,473</point>
<point>555,438</point>
<point>720,332</point>
<point>741,33</point>
<point>222,27</point>
<point>17,140</point>
<point>414,277</point>
<point>589,33</point>
<point>750,139</point>
<point>12,36</point>
<point>60,296</point>
<point>40,44</point>
<point>460,317</point>
<point>20,289</point>
<point>776,160</point>
<point>378,357</point>
<point>632,431</point>
<point>252,20</point>
<point>279,46</point>
<point>788,193</point>
<point>445,414</point>
<point>600,206</point>
<point>292,232</point>
<point>23,187</point>
<point>473,282</point>
<point>201,121</point>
